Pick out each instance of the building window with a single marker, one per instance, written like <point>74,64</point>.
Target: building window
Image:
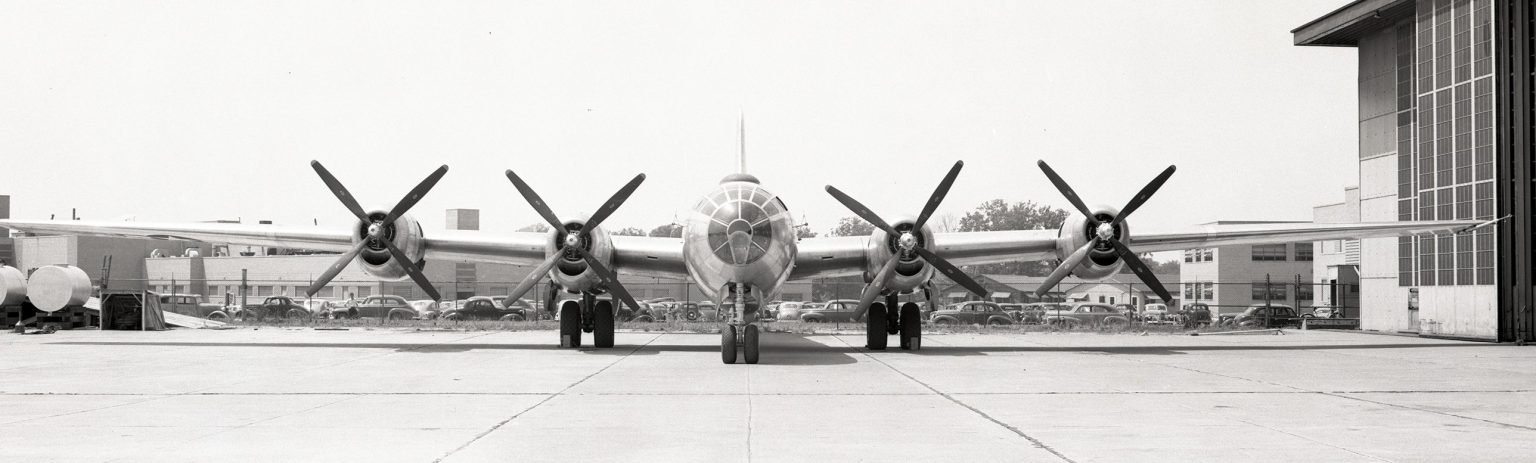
<point>1189,255</point>
<point>1269,252</point>
<point>1303,252</point>
<point>1276,292</point>
<point>1304,292</point>
<point>665,292</point>
<point>364,291</point>
<point>263,291</point>
<point>786,297</point>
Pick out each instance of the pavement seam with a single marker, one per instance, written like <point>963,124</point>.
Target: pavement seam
<point>227,429</point>
<point>1409,407</point>
<point>1032,440</point>
<point>545,400</point>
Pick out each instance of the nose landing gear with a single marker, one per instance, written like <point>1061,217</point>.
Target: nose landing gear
<point>740,331</point>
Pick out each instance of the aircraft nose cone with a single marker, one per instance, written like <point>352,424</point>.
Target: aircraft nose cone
<point>1105,231</point>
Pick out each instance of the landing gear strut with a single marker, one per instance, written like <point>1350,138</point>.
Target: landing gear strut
<point>740,330</point>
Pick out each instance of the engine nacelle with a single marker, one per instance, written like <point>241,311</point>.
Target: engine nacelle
<point>1102,261</point>
<point>911,272</point>
<point>405,232</point>
<point>571,272</point>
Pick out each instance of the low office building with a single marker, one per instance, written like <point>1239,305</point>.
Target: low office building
<point>1231,278</point>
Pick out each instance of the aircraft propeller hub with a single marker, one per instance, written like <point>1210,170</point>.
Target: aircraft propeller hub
<point>572,240</point>
<point>907,242</point>
<point>1105,231</point>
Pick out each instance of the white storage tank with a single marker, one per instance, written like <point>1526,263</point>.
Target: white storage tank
<point>13,286</point>
<point>54,287</point>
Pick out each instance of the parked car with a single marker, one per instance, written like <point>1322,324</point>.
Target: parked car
<point>1196,315</point>
<point>275,307</point>
<point>835,311</point>
<point>1032,313</point>
<point>321,307</point>
<point>1086,313</point>
<point>1157,314</point>
<point>426,309</point>
<point>790,310</point>
<point>485,308</point>
<point>1268,316</point>
<point>1324,312</point>
<point>194,305</point>
<point>382,306</point>
<point>972,313</point>
<point>1129,310</point>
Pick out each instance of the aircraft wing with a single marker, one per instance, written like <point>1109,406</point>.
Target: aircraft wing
<point>1205,236</point>
<point>843,256</point>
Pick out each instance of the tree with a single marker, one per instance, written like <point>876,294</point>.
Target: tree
<point>803,232</point>
<point>670,230</point>
<point>1025,215</point>
<point>538,227</point>
<point>630,231</point>
<point>852,226</point>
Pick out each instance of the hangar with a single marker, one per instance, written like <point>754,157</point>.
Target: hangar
<point>1445,133</point>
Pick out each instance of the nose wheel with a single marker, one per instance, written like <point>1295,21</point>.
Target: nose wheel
<point>743,340</point>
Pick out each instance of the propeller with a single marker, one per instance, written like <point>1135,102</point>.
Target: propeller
<point>377,229</point>
<point>907,242</point>
<point>571,246</point>
<point>1106,236</point>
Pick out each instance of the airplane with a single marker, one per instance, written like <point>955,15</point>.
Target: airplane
<point>739,244</point>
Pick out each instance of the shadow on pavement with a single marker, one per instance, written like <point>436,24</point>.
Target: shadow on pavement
<point>776,348</point>
<point>782,348</point>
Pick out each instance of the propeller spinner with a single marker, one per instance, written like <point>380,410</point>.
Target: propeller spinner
<point>907,242</point>
<point>1106,236</point>
<point>377,233</point>
<point>574,240</point>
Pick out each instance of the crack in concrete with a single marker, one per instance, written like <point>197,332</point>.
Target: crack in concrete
<point>544,401</point>
<point>1032,440</point>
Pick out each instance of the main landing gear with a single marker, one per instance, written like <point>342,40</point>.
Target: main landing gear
<point>885,319</point>
<point>590,316</point>
<point>740,331</point>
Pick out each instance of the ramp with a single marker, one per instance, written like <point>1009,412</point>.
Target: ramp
<point>186,321</point>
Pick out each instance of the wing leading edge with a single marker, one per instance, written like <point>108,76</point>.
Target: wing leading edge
<point>661,257</point>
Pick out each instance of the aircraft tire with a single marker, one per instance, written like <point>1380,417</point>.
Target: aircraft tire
<point>874,323</point>
<point>602,331</point>
<point>749,344</point>
<point>728,344</point>
<point>570,324</point>
<point>911,327</point>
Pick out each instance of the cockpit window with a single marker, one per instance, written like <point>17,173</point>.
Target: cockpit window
<point>741,222</point>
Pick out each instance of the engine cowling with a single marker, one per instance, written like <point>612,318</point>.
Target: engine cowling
<point>911,272</point>
<point>405,232</point>
<point>572,272</point>
<point>1102,261</point>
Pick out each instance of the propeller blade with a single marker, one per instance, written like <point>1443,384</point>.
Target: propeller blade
<point>336,268</point>
<point>859,210</point>
<point>340,191</point>
<point>1065,268</point>
<point>412,270</point>
<point>1061,185</point>
<point>533,278</point>
<point>415,195</point>
<point>938,195</point>
<point>607,278</point>
<point>535,201</point>
<point>951,271</point>
<point>1145,193</point>
<point>875,287</point>
<point>613,203</point>
<point>1140,268</point>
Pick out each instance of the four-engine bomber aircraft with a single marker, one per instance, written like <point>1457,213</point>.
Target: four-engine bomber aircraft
<point>739,246</point>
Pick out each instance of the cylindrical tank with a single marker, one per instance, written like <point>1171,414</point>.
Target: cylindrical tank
<point>53,287</point>
<point>13,286</point>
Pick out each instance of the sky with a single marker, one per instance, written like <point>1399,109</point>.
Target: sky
<point>189,111</point>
